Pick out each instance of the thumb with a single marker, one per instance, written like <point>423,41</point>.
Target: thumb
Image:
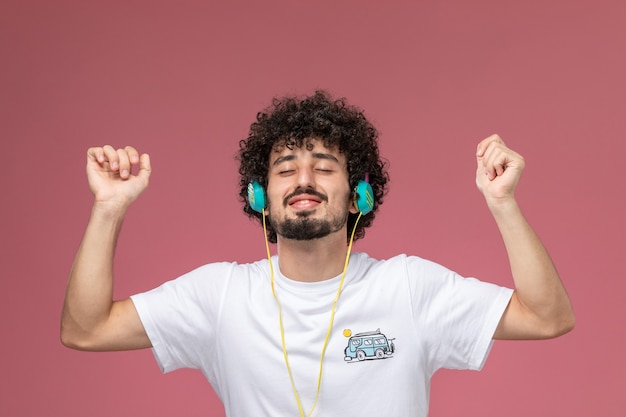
<point>145,168</point>
<point>481,172</point>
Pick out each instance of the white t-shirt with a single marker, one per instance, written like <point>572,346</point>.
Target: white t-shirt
<point>397,322</point>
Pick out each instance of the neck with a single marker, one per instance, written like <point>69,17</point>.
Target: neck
<point>313,260</point>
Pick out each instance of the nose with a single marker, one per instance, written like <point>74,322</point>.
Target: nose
<point>306,178</point>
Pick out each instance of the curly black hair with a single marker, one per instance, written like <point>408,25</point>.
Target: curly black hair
<point>292,121</point>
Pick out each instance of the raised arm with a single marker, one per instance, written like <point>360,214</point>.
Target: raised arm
<point>91,320</point>
<point>540,307</point>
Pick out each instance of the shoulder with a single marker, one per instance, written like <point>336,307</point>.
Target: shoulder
<point>218,270</point>
<point>400,264</point>
<point>213,277</point>
<point>397,269</point>
<point>422,277</point>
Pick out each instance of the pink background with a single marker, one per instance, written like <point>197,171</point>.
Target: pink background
<point>182,80</point>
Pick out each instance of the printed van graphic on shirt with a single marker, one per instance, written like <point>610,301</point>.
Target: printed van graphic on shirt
<point>368,345</point>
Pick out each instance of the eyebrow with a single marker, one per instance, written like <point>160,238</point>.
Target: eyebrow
<point>316,155</point>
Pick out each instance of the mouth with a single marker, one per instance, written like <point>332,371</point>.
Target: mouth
<point>304,202</point>
<point>305,199</point>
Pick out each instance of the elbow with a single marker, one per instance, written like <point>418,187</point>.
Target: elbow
<point>69,340</point>
<point>522,323</point>
<point>73,338</point>
<point>560,325</point>
<point>77,343</point>
<point>67,335</point>
<point>567,324</point>
<point>567,319</point>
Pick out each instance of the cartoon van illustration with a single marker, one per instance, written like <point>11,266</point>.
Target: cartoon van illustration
<point>369,345</point>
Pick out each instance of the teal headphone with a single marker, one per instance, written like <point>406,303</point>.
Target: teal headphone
<point>364,197</point>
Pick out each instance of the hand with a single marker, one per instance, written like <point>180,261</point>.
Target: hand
<point>110,176</point>
<point>498,169</point>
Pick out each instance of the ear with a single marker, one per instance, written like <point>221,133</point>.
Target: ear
<point>353,209</point>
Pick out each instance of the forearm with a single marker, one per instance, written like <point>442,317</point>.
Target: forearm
<point>543,301</point>
<point>88,300</point>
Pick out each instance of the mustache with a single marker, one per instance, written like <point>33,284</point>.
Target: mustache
<point>309,191</point>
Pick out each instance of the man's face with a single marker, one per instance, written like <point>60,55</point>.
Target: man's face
<point>308,192</point>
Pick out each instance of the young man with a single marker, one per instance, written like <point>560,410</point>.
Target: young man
<point>314,330</point>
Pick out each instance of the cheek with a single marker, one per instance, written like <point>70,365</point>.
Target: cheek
<point>272,192</point>
<point>346,197</point>
<point>273,199</point>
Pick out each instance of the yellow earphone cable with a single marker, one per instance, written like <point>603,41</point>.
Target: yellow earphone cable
<point>330,324</point>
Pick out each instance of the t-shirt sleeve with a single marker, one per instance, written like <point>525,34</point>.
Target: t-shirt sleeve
<point>180,317</point>
<point>455,317</point>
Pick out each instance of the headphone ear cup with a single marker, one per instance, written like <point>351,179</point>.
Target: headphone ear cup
<point>256,196</point>
<point>364,197</point>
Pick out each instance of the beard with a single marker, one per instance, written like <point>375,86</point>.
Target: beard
<point>305,228</point>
